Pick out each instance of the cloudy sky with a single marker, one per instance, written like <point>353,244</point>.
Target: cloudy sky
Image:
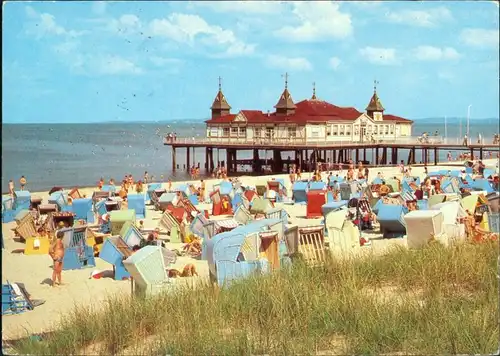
<point>148,61</point>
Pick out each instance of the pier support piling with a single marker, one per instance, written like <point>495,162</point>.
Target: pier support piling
<point>173,159</point>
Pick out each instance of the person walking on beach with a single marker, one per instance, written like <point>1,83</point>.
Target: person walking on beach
<point>146,177</point>
<point>11,188</point>
<point>56,252</point>
<point>367,171</point>
<point>22,182</point>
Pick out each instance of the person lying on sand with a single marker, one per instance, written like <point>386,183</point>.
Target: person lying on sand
<point>193,248</point>
<point>56,252</point>
<point>189,270</point>
<point>474,232</point>
<point>383,189</point>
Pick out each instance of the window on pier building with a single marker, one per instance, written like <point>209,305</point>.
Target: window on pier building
<point>387,129</point>
<point>269,132</point>
<point>328,130</point>
<point>225,132</point>
<point>392,129</point>
<point>292,132</point>
<point>213,132</point>
<point>335,130</point>
<point>257,132</point>
<point>348,130</point>
<point>356,129</point>
<point>243,132</point>
<point>234,131</point>
<point>341,131</point>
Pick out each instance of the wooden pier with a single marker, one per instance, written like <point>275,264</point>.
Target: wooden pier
<point>307,154</point>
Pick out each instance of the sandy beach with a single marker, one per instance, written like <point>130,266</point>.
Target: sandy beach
<point>79,289</point>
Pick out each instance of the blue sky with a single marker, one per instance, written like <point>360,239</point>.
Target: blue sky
<point>78,62</point>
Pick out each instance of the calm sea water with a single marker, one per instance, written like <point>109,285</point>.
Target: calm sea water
<point>79,154</point>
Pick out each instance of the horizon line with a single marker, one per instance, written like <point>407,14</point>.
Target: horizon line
<point>203,120</point>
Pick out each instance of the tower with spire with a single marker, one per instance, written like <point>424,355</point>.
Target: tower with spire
<point>313,97</point>
<point>285,105</point>
<point>375,109</point>
<point>220,107</point>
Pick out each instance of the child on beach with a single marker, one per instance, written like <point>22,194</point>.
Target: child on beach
<point>56,252</point>
<point>22,182</point>
<point>139,187</point>
<point>11,187</point>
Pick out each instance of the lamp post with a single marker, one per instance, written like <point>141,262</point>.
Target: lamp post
<point>468,118</point>
<point>445,130</point>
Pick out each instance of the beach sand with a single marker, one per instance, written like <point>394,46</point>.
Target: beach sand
<point>78,289</point>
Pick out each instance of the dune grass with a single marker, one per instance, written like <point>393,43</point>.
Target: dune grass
<point>431,301</point>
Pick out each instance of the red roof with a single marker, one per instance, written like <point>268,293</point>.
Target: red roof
<point>221,119</point>
<point>388,117</point>
<point>307,111</point>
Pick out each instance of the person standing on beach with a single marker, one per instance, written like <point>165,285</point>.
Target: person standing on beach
<point>366,173</point>
<point>202,190</point>
<point>100,183</point>
<point>146,177</point>
<point>22,182</point>
<point>56,252</point>
<point>11,187</point>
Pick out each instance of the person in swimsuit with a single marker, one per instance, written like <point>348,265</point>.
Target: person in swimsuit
<point>11,187</point>
<point>57,253</point>
<point>22,182</point>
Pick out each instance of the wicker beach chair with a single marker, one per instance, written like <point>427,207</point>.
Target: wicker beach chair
<point>148,268</point>
<point>311,245</point>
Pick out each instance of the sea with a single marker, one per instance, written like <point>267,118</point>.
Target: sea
<point>70,155</point>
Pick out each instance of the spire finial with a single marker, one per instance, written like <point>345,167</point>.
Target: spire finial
<point>286,79</point>
<point>375,82</point>
<point>314,91</point>
<point>220,83</point>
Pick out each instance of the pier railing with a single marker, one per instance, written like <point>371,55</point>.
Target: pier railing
<point>431,140</point>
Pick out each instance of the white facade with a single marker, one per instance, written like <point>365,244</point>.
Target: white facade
<point>363,129</point>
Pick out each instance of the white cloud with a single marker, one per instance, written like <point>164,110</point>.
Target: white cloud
<point>477,37</point>
<point>289,63</point>
<point>421,18</point>
<point>334,62</point>
<point>99,7</point>
<point>381,56</point>
<point>246,6</point>
<point>430,53</point>
<point>317,21</point>
<point>125,25</point>
<point>117,65</point>
<point>43,24</point>
<point>184,28</point>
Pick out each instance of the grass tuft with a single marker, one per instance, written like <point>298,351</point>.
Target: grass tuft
<point>431,301</point>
